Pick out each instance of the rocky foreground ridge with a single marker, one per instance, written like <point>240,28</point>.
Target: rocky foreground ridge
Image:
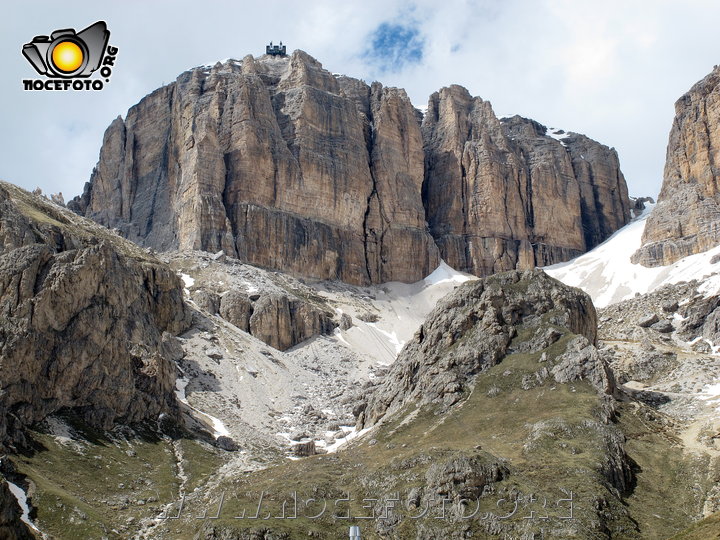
<point>508,394</point>
<point>500,393</point>
<point>473,329</point>
<point>87,320</point>
<point>687,217</point>
<point>282,164</point>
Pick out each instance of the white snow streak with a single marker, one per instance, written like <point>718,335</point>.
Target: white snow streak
<point>22,501</point>
<point>219,429</point>
<point>607,274</point>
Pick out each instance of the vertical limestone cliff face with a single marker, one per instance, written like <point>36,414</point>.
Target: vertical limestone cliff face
<point>686,219</point>
<point>276,161</point>
<point>282,164</point>
<point>503,194</point>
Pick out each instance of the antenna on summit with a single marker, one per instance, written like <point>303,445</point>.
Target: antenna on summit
<point>276,50</point>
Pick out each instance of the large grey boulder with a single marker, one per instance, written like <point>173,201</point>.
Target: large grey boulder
<point>236,308</point>
<point>283,321</point>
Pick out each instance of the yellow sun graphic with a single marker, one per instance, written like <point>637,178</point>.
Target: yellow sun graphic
<point>67,56</point>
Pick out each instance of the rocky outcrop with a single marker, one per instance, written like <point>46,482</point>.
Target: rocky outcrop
<point>236,308</point>
<point>464,476</point>
<point>304,449</point>
<point>582,360</point>
<point>87,320</point>
<point>505,194</point>
<point>274,161</point>
<point>476,326</point>
<point>282,321</point>
<point>207,300</point>
<point>702,318</point>
<point>281,164</point>
<point>686,219</point>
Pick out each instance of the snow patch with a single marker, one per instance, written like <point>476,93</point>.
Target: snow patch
<point>401,309</point>
<point>711,286</point>
<point>21,498</point>
<point>555,134</point>
<point>607,274</point>
<point>251,289</point>
<point>219,429</point>
<point>714,349</point>
<point>710,392</point>
<point>391,337</point>
<point>446,274</point>
<point>187,280</point>
<point>338,334</point>
<point>350,434</point>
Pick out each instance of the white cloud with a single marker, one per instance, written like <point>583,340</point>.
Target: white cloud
<point>611,70</point>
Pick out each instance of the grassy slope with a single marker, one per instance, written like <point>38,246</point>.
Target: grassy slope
<point>93,488</point>
<point>671,484</point>
<point>707,529</point>
<point>497,416</point>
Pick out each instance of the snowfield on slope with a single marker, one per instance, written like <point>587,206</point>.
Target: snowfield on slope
<point>607,274</point>
<point>400,309</point>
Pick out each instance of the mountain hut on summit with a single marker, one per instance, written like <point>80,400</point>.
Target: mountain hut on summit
<point>276,50</point>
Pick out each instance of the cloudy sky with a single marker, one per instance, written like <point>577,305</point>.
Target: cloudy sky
<point>609,69</point>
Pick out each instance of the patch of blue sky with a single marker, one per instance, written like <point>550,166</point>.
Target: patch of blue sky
<point>393,46</point>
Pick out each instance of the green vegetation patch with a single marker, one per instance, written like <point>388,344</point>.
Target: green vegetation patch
<point>97,484</point>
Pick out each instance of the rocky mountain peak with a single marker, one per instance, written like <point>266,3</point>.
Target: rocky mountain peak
<point>503,194</point>
<point>284,165</point>
<point>685,220</point>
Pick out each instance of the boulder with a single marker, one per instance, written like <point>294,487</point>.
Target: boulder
<point>283,321</point>
<point>226,443</point>
<point>206,300</point>
<point>647,320</point>
<point>304,449</point>
<point>236,308</point>
<point>664,326</point>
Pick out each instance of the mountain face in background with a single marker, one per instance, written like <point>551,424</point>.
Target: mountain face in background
<point>687,217</point>
<point>276,161</point>
<point>503,194</point>
<point>165,381</point>
<point>284,165</point>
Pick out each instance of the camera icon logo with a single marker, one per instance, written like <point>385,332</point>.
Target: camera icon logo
<point>68,54</point>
